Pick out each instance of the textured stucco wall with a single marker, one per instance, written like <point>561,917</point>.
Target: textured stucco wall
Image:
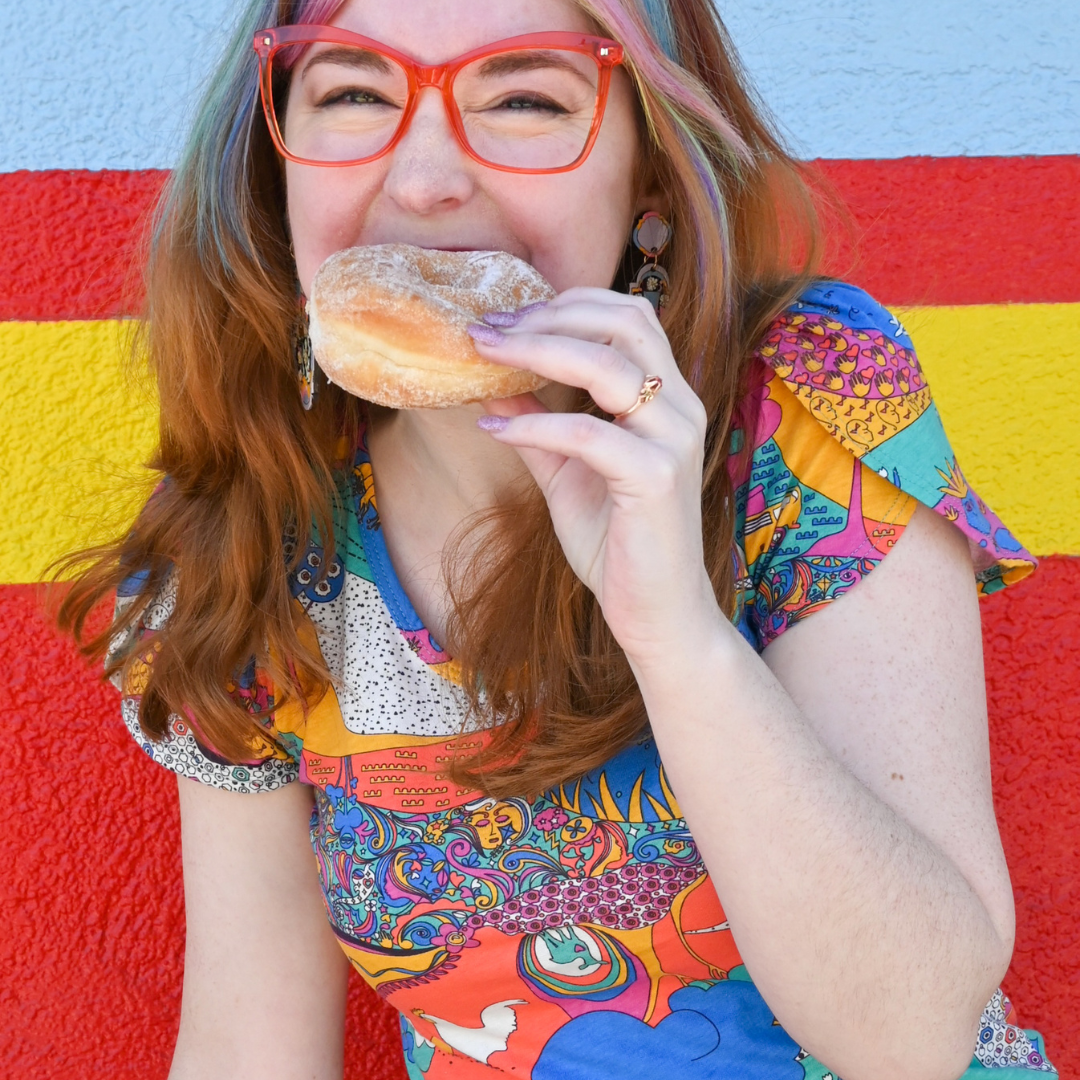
<point>91,954</point>
<point>866,79</point>
<point>104,84</point>
<point>91,960</point>
<point>98,426</point>
<point>892,78</point>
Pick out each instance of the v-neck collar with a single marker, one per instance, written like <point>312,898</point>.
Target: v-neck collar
<point>397,602</point>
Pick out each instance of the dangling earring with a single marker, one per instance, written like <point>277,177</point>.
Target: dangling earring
<point>651,236</point>
<point>307,371</point>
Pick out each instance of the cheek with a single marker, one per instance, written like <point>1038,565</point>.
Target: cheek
<point>585,227</point>
<point>598,210</point>
<point>326,210</point>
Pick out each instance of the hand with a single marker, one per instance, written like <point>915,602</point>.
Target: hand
<point>624,496</point>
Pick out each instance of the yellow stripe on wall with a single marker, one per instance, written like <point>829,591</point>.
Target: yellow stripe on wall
<point>76,430</point>
<point>1006,379</point>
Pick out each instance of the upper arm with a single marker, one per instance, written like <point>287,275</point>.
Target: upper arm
<point>264,978</point>
<point>890,676</point>
<point>855,585</point>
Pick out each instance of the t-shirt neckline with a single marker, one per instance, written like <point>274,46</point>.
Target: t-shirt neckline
<point>386,580</point>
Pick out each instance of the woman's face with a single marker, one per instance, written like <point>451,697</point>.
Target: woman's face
<point>573,226</point>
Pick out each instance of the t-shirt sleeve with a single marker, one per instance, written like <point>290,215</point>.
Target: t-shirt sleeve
<point>841,441</point>
<point>275,761</point>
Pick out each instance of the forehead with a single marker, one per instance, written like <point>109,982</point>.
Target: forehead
<point>432,31</point>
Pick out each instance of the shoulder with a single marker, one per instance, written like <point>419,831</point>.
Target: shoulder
<point>837,348</point>
<point>841,441</point>
<point>132,654</point>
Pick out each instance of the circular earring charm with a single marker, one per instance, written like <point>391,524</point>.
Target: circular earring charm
<point>653,283</point>
<point>652,234</point>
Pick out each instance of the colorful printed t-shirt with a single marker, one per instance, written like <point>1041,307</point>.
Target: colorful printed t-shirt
<point>578,935</point>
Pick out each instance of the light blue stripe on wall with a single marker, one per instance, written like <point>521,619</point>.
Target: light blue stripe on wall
<point>892,78</point>
<point>103,84</point>
<point>99,84</point>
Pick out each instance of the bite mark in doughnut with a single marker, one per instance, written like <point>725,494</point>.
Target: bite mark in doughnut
<point>387,323</point>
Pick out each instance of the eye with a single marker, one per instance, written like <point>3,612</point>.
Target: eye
<point>352,96</point>
<point>531,103</point>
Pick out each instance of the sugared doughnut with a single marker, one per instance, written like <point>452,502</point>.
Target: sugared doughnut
<point>387,323</point>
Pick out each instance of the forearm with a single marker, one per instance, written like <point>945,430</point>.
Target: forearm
<point>258,943</point>
<point>855,927</point>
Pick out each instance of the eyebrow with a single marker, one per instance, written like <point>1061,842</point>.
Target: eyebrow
<point>349,57</point>
<point>508,63</point>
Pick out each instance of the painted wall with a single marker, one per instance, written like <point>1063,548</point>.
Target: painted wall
<point>847,79</point>
<point>951,129</point>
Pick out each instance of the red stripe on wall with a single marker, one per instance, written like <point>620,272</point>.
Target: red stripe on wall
<point>1031,636</point>
<point>67,240</point>
<point>961,230</point>
<point>929,230</point>
<point>90,857</point>
<point>91,953</point>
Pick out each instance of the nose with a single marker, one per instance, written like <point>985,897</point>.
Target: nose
<point>428,167</point>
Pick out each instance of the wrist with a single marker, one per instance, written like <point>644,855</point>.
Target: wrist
<point>703,641</point>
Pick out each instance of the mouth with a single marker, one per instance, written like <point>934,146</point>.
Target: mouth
<point>448,247</point>
<point>478,249</point>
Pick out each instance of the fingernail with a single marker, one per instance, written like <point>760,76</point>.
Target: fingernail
<point>512,318</point>
<point>492,423</point>
<point>502,318</point>
<point>486,335</point>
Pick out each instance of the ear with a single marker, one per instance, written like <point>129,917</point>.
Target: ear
<point>651,193</point>
<point>657,201</point>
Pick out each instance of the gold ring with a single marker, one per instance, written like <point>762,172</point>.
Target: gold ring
<point>649,389</point>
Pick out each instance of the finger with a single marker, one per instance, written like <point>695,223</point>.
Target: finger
<point>629,327</point>
<point>542,464</point>
<point>589,294</point>
<point>612,380</point>
<point>629,464</point>
<point>626,322</point>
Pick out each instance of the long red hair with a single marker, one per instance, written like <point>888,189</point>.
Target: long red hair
<point>243,462</point>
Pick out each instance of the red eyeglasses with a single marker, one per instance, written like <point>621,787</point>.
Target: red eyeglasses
<point>528,104</point>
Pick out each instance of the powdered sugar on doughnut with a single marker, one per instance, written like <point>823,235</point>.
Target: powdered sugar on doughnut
<point>388,322</point>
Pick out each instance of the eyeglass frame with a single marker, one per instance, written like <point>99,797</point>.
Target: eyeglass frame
<point>604,51</point>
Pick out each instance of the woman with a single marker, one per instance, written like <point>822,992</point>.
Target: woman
<point>660,555</point>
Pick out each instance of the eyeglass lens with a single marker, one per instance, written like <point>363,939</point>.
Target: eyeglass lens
<point>524,108</point>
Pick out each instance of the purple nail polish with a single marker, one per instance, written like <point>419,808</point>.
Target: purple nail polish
<point>492,423</point>
<point>502,318</point>
<point>512,318</point>
<point>486,335</point>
